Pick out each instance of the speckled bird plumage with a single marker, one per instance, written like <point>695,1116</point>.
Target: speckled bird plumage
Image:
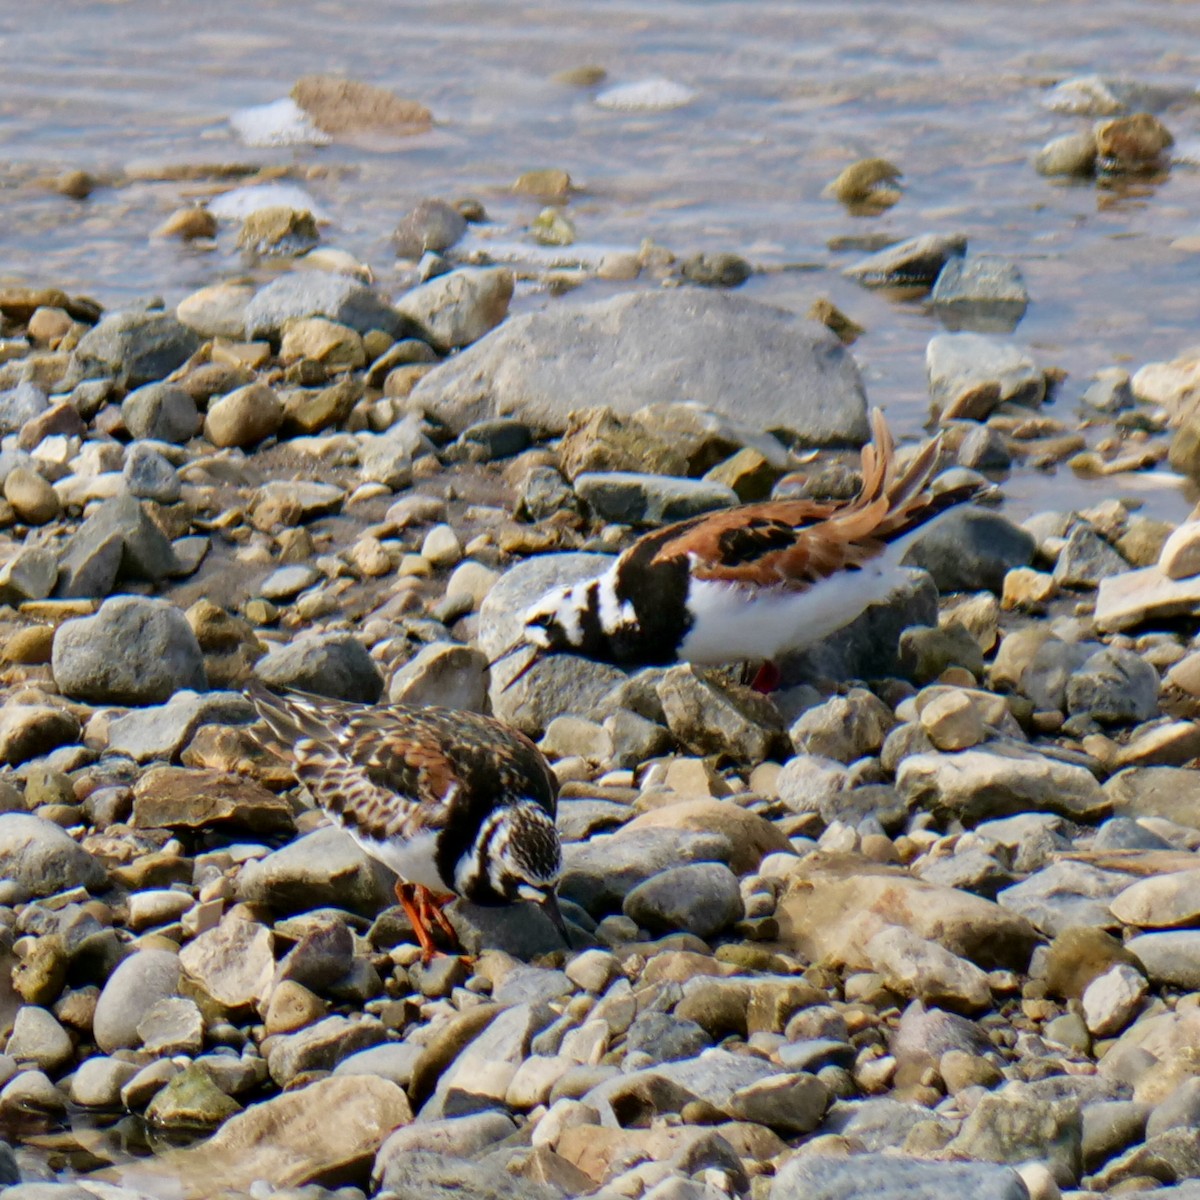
<point>750,582</point>
<point>452,801</point>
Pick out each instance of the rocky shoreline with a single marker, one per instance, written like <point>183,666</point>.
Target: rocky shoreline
<point>923,920</point>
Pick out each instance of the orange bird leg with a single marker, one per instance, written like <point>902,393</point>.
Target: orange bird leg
<point>423,908</point>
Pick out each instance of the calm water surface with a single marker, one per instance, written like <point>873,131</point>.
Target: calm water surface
<point>787,94</point>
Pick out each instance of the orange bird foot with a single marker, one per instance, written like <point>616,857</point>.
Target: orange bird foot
<point>424,911</point>
<point>768,679</point>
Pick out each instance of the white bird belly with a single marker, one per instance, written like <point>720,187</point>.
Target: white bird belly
<point>412,859</point>
<point>732,622</point>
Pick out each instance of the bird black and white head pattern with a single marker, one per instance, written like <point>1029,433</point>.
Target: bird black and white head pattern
<point>516,856</point>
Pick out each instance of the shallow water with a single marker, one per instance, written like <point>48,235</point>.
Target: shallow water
<point>788,94</point>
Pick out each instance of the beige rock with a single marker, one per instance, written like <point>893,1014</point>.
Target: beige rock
<point>340,105</point>
<point>233,963</point>
<point>952,721</point>
<point>33,499</point>
<point>244,417</point>
<point>1028,590</point>
<point>1160,902</point>
<point>218,310</point>
<point>187,224</point>
<point>548,181</point>
<point>441,546</point>
<point>1175,385</point>
<point>290,1140</point>
<point>47,325</point>
<point>1127,600</point>
<point>337,346</point>
<point>1180,557</point>
<point>752,837</point>
<point>834,907</point>
<point>278,230</point>
<point>1111,1000</point>
<point>921,968</point>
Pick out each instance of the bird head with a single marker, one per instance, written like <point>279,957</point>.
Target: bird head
<point>557,623</point>
<point>516,856</point>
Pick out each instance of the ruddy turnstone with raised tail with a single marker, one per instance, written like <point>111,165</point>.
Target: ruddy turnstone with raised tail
<point>455,803</point>
<point>746,583</point>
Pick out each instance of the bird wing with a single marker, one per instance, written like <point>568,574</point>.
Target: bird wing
<point>796,543</point>
<point>396,771</point>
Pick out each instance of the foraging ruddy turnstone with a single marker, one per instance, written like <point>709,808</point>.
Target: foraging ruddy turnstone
<point>455,803</point>
<point>746,583</point>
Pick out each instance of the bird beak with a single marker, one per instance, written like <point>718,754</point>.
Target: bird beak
<point>535,655</point>
<point>550,907</point>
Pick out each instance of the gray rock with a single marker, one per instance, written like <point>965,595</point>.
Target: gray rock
<point>915,262</point>
<point>38,1040</point>
<point>559,684</point>
<point>1017,1128</point>
<point>392,1060</point>
<point>41,859</point>
<point>522,930</point>
<point>21,404</point>
<point>789,1104</point>
<point>149,475</point>
<point>132,990</point>
<point>135,348</point>
<point>924,1034</point>
<point>1044,678</point>
<point>970,550</point>
<point>715,1075</point>
<point>119,532</point>
<point>320,294</point>
<point>599,874</point>
<point>1156,792</point>
<point>31,730</point>
<point>1086,559</point>
<point>844,728</point>
<point>134,650</point>
<point>1124,833</point>
<point>1114,686</point>
<point>630,498</point>
<point>163,412</point>
<point>458,308</point>
<point>407,1171</point>
<point>323,868</point>
<point>1171,958</point>
<point>868,648</point>
<point>708,718</point>
<point>970,374</point>
<point>1181,1109</point>
<point>321,1047</point>
<point>978,785</point>
<point>888,1177</point>
<point>986,295</point>
<point>289,581</point>
<point>329,664</point>
<point>666,1037</point>
<point>98,1081</point>
<point>1109,391</point>
<point>30,574</point>
<point>173,1026</point>
<point>432,225</point>
<point>1111,1125</point>
<point>162,732</point>
<point>445,674</point>
<point>1065,894</point>
<point>502,438</point>
<point>701,898</point>
<point>721,351</point>
<point>984,449</point>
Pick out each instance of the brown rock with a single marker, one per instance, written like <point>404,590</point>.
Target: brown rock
<point>834,907</point>
<point>33,499</point>
<point>1133,143</point>
<point>336,346</point>
<point>244,417</point>
<point>30,646</point>
<point>58,418</point>
<point>187,224</point>
<point>309,412</point>
<point>290,1140</point>
<point>597,439</point>
<point>348,106</point>
<point>20,303</point>
<point>232,748</point>
<point>48,325</point>
<point>182,798</point>
<point>278,230</point>
<point>547,182</point>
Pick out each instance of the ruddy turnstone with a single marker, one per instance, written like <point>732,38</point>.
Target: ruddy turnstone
<point>455,803</point>
<point>746,583</point>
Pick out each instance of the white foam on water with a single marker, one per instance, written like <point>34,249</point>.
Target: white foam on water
<point>646,95</point>
<point>238,204</point>
<point>280,123</point>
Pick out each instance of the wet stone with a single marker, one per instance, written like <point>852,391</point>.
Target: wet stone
<point>913,263</point>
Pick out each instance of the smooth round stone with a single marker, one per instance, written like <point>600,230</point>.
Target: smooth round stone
<point>38,1040</point>
<point>32,497</point>
<point>31,1092</point>
<point>97,1083</point>
<point>132,990</point>
<point>288,582</point>
<point>441,546</point>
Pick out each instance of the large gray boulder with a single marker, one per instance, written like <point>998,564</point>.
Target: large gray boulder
<point>768,367</point>
<point>135,650</point>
